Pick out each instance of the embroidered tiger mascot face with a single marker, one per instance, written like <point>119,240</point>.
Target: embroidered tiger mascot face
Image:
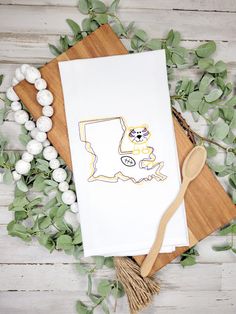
<point>139,135</point>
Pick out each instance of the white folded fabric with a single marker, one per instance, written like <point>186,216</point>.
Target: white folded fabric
<point>123,152</point>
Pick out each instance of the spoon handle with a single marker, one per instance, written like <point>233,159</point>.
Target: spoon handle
<point>155,249</point>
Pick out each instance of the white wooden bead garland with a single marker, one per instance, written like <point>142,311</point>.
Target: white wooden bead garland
<point>38,132</point>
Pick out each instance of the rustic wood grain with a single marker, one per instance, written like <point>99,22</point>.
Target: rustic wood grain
<point>102,42</point>
<point>207,205</point>
<point>192,24</point>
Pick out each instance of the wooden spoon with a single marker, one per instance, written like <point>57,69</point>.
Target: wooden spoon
<point>192,166</point>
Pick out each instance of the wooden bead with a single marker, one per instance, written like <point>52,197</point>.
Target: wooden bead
<point>21,116</point>
<point>44,97</point>
<point>27,157</point>
<point>49,153</point>
<point>11,95</point>
<point>59,175</point>
<point>16,176</point>
<point>46,143</point>
<point>68,197</point>
<point>23,68</point>
<point>32,74</point>
<point>74,207</point>
<point>34,132</point>
<point>63,186</point>
<point>41,136</point>
<point>54,163</point>
<point>40,84</point>
<point>47,111</point>
<point>34,147</point>
<point>22,167</point>
<point>16,105</point>
<point>44,124</point>
<point>19,75</point>
<point>29,125</point>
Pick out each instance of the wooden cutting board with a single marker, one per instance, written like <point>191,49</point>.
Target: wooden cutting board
<point>208,207</point>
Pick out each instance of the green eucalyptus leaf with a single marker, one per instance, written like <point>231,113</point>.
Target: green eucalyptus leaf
<point>54,50</point>
<point>203,108</point>
<point>104,287</point>
<point>118,29</point>
<point>215,167</point>
<point>211,151</point>
<point>205,82</point>
<point>114,6</point>
<point>141,34</point>
<point>18,230</point>
<point>227,89</point>
<point>7,177</point>
<point>220,130</point>
<point>215,114</point>
<point>130,27</point>
<point>219,67</point>
<point>135,43</point>
<point>233,121</point>
<point>99,260</point>
<point>194,100</point>
<point>86,24</point>
<point>231,101</point>
<point>82,269</point>
<point>188,261</point>
<point>227,113</point>
<point>81,308</point>
<point>22,186</point>
<point>173,39</point>
<point>1,79</point>
<point>227,230</point>
<point>205,63</point>
<point>105,307</point>
<point>83,6</point>
<point>61,210</point>
<point>94,25</point>
<point>205,50</point>
<point>98,6</point>
<point>39,183</point>
<point>64,242</point>
<point>44,222</point>
<point>24,139</point>
<point>232,180</point>
<point>213,95</point>
<point>51,183</point>
<point>51,203</point>
<point>101,19</point>
<point>77,237</point>
<point>177,59</point>
<point>154,44</point>
<point>118,290</point>
<point>109,262</point>
<point>74,27</point>
<point>234,196</point>
<point>230,158</point>
<point>220,82</point>
<point>221,248</point>
<point>47,241</point>
<point>64,43</point>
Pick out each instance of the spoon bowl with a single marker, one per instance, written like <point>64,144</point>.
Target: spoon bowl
<point>194,162</point>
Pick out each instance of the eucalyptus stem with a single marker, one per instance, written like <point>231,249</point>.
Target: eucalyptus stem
<point>187,128</point>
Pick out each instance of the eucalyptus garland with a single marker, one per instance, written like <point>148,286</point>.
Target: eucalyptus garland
<point>46,218</point>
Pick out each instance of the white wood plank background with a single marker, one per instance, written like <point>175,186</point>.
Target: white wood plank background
<point>31,280</point>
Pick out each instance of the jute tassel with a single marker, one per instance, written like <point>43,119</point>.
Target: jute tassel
<point>139,290</point>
